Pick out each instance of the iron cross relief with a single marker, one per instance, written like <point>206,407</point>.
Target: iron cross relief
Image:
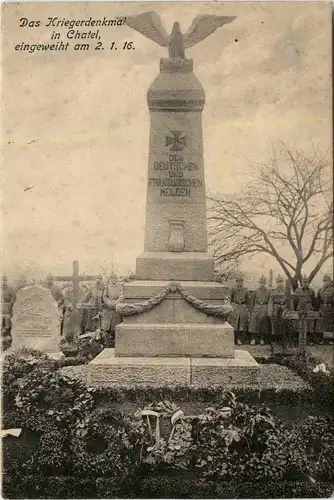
<point>176,139</point>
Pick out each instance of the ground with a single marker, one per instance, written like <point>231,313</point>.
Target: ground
<point>325,353</point>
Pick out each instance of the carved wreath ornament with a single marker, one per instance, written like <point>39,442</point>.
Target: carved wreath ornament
<point>222,311</point>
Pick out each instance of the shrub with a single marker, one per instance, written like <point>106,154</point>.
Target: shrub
<point>16,452</point>
<point>107,444</point>
<point>49,395</point>
<point>156,487</point>
<point>43,453</point>
<point>6,341</point>
<point>229,445</point>
<point>322,383</point>
<point>16,366</point>
<point>311,448</point>
<point>34,487</point>
<point>70,361</point>
<point>46,405</point>
<point>92,345</point>
<point>241,443</point>
<point>142,395</point>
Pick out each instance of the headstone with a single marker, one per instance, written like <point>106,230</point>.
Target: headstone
<point>36,322</point>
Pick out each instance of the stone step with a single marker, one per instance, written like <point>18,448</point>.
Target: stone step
<point>108,370</point>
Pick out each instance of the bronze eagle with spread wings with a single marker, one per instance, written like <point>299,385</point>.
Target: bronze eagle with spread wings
<point>149,24</point>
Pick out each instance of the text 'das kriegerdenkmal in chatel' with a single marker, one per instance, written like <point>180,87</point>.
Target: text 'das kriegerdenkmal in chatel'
<point>56,34</point>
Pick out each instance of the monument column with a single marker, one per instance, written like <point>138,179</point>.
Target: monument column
<point>176,234</point>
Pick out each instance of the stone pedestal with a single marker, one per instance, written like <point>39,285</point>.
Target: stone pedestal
<point>174,327</point>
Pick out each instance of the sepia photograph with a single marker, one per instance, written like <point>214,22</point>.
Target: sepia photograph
<point>167,295</point>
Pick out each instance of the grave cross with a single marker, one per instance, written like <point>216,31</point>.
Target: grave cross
<point>75,279</point>
<point>302,316</point>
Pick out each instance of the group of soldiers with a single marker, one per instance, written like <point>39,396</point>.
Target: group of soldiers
<point>261,316</point>
<point>258,316</point>
<point>98,305</point>
<point>7,301</point>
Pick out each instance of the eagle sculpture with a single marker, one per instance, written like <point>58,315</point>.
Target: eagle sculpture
<point>149,24</point>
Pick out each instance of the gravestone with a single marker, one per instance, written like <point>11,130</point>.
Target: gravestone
<point>174,311</point>
<point>36,322</point>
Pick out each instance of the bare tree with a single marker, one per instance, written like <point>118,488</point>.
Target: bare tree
<point>286,212</point>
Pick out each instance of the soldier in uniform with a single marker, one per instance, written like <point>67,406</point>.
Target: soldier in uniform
<point>305,292</point>
<point>7,301</point>
<point>279,302</point>
<point>57,294</point>
<point>110,318</point>
<point>259,321</point>
<point>240,315</point>
<point>73,318</point>
<point>94,296</point>
<point>325,305</point>
<point>55,290</point>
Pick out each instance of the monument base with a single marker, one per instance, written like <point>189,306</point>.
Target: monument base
<point>170,339</point>
<point>108,370</point>
<point>174,327</point>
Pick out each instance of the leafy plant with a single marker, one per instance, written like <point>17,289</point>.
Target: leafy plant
<point>107,444</point>
<point>311,448</point>
<point>46,396</point>
<point>16,366</point>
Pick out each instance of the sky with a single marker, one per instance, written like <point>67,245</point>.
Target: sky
<point>75,125</point>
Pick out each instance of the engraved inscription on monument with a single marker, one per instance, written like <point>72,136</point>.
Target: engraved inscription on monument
<point>176,172</point>
<point>175,177</point>
<point>36,321</point>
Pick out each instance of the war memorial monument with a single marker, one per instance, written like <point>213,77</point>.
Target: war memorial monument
<point>174,329</point>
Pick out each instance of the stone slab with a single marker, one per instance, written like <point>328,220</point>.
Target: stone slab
<point>174,339</point>
<point>241,370</point>
<point>187,266</point>
<point>106,369</point>
<point>35,321</point>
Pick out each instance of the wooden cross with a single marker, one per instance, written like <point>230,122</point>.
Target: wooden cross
<point>75,279</point>
<point>302,316</point>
